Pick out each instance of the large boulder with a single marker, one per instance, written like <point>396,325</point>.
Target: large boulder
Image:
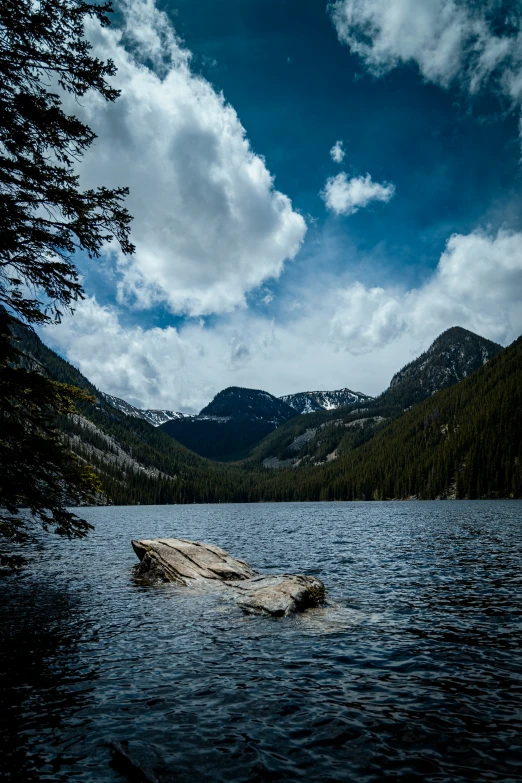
<point>192,563</point>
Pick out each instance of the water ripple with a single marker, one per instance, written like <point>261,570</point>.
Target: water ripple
<point>411,671</point>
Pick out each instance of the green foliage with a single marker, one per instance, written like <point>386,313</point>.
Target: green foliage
<point>44,216</point>
<point>464,441</point>
<point>36,472</point>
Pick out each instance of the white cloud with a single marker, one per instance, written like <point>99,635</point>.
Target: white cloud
<point>210,226</point>
<point>337,152</point>
<point>208,223</point>
<point>448,40</point>
<point>356,336</point>
<point>345,196</point>
<point>477,285</point>
<point>158,367</point>
<point>366,319</point>
<point>183,369</point>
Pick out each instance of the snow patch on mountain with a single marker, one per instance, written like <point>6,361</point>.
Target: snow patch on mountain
<point>310,402</point>
<point>154,417</point>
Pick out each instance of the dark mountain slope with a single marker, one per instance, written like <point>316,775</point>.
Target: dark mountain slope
<point>452,356</point>
<point>464,441</point>
<point>254,403</point>
<point>229,426</point>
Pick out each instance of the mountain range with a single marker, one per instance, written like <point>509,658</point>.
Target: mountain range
<point>237,420</point>
<point>302,402</point>
<point>246,423</point>
<point>154,417</point>
<point>449,425</point>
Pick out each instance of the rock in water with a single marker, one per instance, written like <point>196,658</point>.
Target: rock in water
<point>279,595</point>
<point>190,562</point>
<point>123,761</point>
<point>178,560</point>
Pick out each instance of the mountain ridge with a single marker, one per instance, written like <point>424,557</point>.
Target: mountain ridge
<point>452,356</point>
<point>313,401</point>
<point>154,416</point>
<point>231,423</point>
<point>462,441</point>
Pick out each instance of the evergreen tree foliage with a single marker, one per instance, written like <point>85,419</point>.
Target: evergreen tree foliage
<point>463,442</point>
<point>45,217</point>
<point>37,472</point>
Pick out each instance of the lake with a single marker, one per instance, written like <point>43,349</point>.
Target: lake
<point>411,672</point>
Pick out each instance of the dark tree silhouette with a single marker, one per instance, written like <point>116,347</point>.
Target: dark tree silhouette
<point>45,217</point>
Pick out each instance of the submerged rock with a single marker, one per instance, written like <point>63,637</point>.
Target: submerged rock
<point>125,762</point>
<point>191,562</point>
<point>279,595</point>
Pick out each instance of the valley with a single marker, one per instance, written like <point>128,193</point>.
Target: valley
<point>447,426</point>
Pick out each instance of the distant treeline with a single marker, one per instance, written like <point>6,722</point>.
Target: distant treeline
<point>464,442</point>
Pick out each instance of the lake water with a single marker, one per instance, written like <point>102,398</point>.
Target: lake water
<point>411,672</point>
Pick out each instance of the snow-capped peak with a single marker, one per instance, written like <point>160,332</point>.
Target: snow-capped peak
<point>310,402</point>
<point>153,416</point>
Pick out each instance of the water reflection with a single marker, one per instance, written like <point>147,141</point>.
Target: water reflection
<point>44,681</point>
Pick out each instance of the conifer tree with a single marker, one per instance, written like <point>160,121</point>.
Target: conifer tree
<point>45,218</point>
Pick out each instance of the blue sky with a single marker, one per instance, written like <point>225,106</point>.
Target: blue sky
<point>330,274</point>
<point>461,155</point>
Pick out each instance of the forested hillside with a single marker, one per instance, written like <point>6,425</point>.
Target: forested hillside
<point>325,435</point>
<point>464,441</point>
<point>136,462</point>
<point>231,424</point>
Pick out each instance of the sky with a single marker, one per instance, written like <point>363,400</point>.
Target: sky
<point>318,191</point>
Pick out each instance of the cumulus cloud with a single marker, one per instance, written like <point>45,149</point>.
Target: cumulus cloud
<point>477,285</point>
<point>158,367</point>
<point>337,152</point>
<point>366,319</point>
<point>182,369</point>
<point>473,43</point>
<point>346,196</point>
<point>209,224</point>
